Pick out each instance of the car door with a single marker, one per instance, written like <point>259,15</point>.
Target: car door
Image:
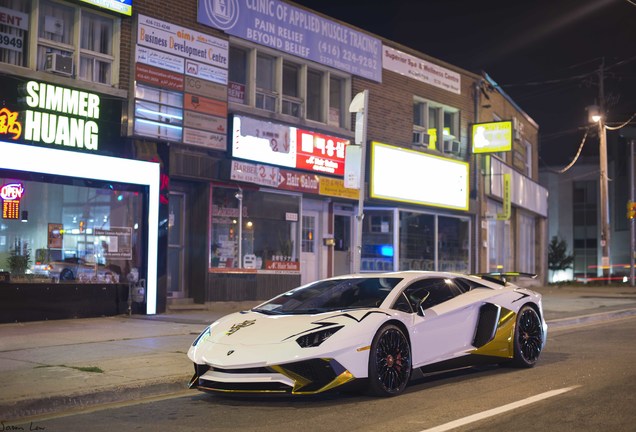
<point>444,324</point>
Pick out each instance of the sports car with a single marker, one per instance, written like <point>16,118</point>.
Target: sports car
<point>373,329</point>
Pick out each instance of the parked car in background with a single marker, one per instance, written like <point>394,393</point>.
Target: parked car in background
<point>78,269</point>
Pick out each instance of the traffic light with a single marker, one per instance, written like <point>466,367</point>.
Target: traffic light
<point>631,209</point>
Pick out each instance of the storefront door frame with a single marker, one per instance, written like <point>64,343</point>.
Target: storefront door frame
<point>96,167</point>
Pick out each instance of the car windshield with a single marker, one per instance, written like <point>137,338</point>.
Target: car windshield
<point>331,295</point>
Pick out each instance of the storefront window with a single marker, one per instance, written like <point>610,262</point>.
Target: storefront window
<point>417,241</point>
<point>377,241</point>
<point>79,232</point>
<point>424,241</point>
<point>453,243</point>
<point>499,251</point>
<point>267,226</point>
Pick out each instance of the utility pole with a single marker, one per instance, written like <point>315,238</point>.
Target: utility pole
<point>605,212</point>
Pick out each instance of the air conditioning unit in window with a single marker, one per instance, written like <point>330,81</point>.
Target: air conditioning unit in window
<point>452,146</point>
<point>421,138</point>
<point>58,63</point>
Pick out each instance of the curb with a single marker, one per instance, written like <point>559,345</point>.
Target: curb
<point>591,318</point>
<point>59,404</point>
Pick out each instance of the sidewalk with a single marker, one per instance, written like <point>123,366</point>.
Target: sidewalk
<point>54,366</point>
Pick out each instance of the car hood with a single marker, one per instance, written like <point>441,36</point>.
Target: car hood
<point>253,328</point>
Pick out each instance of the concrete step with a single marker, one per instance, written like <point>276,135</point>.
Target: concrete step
<point>184,304</point>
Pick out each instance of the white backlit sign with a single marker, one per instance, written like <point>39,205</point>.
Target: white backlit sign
<point>405,175</point>
<point>287,146</point>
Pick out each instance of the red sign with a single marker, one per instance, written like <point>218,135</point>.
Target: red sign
<point>299,182</point>
<point>320,153</point>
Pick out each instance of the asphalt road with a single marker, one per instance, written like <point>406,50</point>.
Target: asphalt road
<point>583,382</point>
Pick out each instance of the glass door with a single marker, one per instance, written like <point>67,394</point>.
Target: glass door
<point>176,245</point>
<point>342,249</point>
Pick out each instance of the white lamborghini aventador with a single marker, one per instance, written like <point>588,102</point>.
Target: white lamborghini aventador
<point>373,329</point>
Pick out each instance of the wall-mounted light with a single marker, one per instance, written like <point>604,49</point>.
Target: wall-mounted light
<point>25,216</point>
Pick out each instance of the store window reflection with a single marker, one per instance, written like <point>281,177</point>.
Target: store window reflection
<point>82,232</point>
<point>377,241</point>
<point>424,241</point>
<point>267,226</point>
<point>417,241</point>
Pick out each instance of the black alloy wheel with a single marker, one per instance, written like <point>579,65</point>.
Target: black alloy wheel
<point>528,338</point>
<point>389,362</point>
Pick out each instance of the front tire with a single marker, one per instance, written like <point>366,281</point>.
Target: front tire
<point>389,362</point>
<point>528,338</point>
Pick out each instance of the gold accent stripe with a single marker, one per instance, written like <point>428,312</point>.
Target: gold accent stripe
<point>502,344</point>
<point>364,348</point>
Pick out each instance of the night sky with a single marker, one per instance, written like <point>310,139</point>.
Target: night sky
<point>544,53</point>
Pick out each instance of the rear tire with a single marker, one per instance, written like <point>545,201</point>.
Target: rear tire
<point>528,338</point>
<point>67,275</point>
<point>389,362</point>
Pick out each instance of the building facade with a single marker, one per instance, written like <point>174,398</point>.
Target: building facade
<point>243,118</point>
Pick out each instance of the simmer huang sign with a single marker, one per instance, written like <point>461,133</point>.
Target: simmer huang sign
<point>55,115</point>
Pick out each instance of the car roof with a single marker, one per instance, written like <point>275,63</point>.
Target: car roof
<point>410,275</point>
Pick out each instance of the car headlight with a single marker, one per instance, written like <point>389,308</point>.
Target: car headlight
<point>202,337</point>
<point>316,338</point>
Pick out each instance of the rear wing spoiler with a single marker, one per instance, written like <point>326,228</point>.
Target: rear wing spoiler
<point>503,277</point>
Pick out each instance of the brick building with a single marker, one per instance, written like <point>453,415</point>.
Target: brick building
<point>219,173</point>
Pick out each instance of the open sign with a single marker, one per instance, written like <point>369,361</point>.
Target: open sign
<point>12,191</point>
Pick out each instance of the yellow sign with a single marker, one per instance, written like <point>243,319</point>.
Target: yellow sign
<point>335,188</point>
<point>492,137</point>
<point>507,208</point>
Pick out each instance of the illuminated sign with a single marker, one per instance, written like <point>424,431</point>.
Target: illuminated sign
<point>9,124</point>
<point>61,116</point>
<point>287,146</point>
<point>12,191</point>
<point>11,195</point>
<point>123,7</point>
<point>405,175</point>
<point>492,137</point>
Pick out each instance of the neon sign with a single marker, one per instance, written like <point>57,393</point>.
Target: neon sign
<point>61,116</point>
<point>11,194</point>
<point>9,123</point>
<point>12,191</point>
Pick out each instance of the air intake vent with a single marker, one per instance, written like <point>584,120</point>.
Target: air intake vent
<point>193,165</point>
